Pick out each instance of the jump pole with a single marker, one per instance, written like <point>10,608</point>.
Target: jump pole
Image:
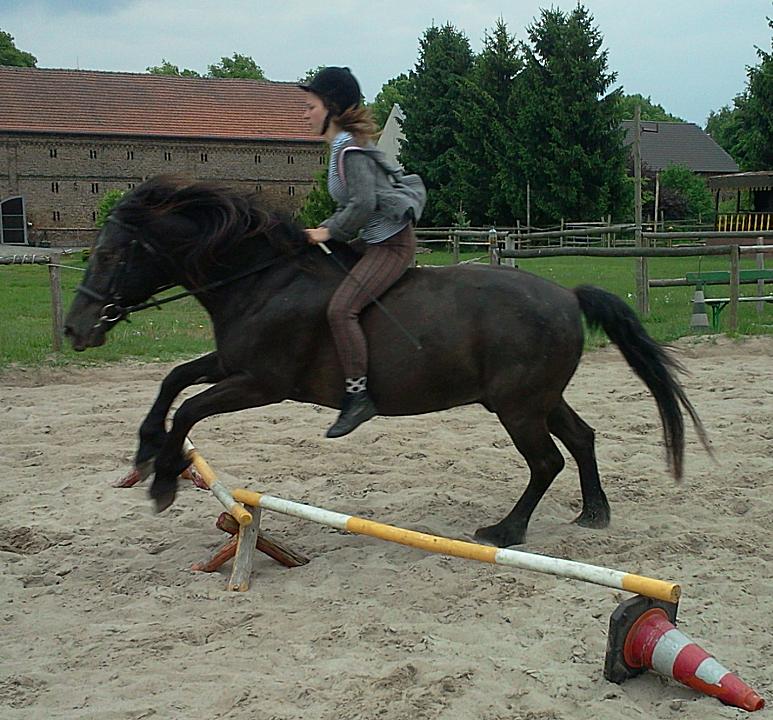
<point>638,584</point>
<point>242,516</point>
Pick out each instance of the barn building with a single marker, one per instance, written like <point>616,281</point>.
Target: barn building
<point>69,136</point>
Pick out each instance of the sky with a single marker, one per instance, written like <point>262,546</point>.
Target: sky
<point>690,56</point>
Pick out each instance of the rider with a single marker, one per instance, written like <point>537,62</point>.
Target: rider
<point>362,190</point>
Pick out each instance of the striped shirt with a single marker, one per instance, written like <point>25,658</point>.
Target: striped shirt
<point>377,228</point>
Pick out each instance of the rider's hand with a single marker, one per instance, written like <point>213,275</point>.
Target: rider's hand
<point>317,235</point>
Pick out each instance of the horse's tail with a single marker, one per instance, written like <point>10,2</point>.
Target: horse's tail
<point>651,362</point>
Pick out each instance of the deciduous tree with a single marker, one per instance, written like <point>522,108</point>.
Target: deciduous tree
<point>236,66</point>
<point>166,68</point>
<point>11,55</point>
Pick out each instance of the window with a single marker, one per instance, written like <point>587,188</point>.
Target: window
<point>321,159</point>
<point>290,160</point>
<point>131,186</point>
<point>291,190</point>
<point>52,152</point>
<point>95,188</point>
<point>130,154</point>
<point>93,154</point>
<point>257,159</point>
<point>259,188</point>
<point>94,215</point>
<point>54,187</point>
<point>204,157</point>
<point>167,155</point>
<point>57,216</point>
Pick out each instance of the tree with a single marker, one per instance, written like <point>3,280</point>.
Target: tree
<point>754,142</point>
<point>318,204</point>
<point>237,66</point>
<point>166,68</point>
<point>431,124</point>
<point>566,137</point>
<point>393,91</point>
<point>106,204</point>
<point>723,128</point>
<point>11,55</point>
<point>482,138</point>
<point>309,75</point>
<point>684,194</point>
<point>649,110</point>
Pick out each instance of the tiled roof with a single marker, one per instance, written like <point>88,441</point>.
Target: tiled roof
<point>672,143</point>
<point>107,103</point>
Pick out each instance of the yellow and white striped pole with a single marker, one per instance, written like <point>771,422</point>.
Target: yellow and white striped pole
<point>638,584</point>
<point>218,489</point>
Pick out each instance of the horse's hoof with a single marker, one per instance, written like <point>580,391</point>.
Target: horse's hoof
<point>162,502</point>
<point>498,536</point>
<point>595,519</point>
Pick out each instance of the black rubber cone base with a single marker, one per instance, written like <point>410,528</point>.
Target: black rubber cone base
<point>616,670</point>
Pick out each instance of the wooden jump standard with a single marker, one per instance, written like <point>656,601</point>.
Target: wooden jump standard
<point>649,587</point>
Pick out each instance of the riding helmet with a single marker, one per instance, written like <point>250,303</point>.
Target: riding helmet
<point>337,88</point>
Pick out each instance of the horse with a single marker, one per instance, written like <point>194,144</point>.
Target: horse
<point>498,336</point>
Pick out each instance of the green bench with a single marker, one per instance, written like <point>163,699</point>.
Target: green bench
<point>722,277</point>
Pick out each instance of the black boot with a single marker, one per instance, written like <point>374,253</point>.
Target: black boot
<point>356,408</point>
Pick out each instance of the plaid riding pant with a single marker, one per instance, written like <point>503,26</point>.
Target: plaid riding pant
<point>381,266</point>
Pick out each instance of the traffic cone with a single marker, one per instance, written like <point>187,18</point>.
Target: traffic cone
<point>699,319</point>
<point>644,637</point>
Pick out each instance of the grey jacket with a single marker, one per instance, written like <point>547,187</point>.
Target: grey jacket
<point>372,196</point>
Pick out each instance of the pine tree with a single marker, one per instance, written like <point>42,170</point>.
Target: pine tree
<point>482,138</point>
<point>431,123</point>
<point>565,129</point>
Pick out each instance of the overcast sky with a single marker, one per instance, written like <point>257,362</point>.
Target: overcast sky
<point>688,55</point>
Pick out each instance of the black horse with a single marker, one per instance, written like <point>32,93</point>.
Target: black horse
<point>503,338</point>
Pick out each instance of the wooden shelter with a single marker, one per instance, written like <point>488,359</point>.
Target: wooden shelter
<point>760,186</point>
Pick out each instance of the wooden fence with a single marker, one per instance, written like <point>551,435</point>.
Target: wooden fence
<point>733,252</point>
<point>55,284</point>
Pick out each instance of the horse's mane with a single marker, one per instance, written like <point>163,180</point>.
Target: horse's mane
<point>224,217</point>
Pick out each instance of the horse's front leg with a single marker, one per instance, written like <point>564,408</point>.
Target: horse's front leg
<point>152,432</point>
<point>235,392</point>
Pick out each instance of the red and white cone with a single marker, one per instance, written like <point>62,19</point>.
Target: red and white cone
<point>653,642</point>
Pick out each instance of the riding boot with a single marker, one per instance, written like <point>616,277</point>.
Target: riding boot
<point>356,408</point>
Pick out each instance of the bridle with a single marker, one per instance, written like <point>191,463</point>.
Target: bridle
<point>112,311</point>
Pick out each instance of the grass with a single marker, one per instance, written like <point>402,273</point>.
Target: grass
<point>182,329</point>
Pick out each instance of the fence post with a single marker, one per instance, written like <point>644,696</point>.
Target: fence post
<point>734,282</point>
<point>760,283</point>
<point>57,310</point>
<point>510,245</point>
<point>642,279</point>
<point>493,255</point>
<point>455,246</point>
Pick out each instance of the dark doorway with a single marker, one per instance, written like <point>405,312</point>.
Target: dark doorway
<point>13,221</point>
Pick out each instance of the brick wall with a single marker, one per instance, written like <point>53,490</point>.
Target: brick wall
<point>63,178</point>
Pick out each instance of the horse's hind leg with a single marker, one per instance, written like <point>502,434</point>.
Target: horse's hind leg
<point>579,439</point>
<point>531,437</point>
<point>205,369</point>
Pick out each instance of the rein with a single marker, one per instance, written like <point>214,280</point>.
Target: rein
<point>114,312</point>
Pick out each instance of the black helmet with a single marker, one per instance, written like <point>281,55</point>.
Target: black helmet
<point>337,88</point>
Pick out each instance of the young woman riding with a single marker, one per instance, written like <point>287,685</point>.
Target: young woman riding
<point>363,191</point>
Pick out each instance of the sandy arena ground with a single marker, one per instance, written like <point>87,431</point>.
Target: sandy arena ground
<point>102,617</point>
